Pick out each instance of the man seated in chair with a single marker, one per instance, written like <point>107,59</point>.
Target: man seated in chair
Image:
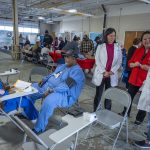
<point>59,89</point>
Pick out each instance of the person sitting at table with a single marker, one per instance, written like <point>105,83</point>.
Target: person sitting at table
<point>45,49</point>
<point>11,105</point>
<point>36,50</point>
<point>73,45</point>
<point>61,43</point>
<point>59,89</point>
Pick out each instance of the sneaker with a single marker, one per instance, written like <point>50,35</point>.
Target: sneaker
<point>37,133</point>
<point>20,116</point>
<point>142,144</point>
<point>137,122</point>
<point>145,133</point>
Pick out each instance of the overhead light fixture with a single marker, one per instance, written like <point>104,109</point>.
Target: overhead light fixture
<point>49,21</point>
<point>72,10</point>
<point>26,17</point>
<point>146,1</point>
<point>41,18</point>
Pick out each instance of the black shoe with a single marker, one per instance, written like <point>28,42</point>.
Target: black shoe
<point>37,133</point>
<point>145,133</point>
<point>121,114</point>
<point>142,144</point>
<point>20,116</point>
<point>137,122</point>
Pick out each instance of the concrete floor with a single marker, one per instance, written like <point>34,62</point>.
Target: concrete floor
<point>11,137</point>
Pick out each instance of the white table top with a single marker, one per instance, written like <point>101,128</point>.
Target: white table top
<point>7,73</point>
<point>18,94</point>
<point>74,126</point>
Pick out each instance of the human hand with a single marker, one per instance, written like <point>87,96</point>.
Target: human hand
<point>136,64</point>
<point>106,74</point>
<point>132,65</point>
<point>40,83</point>
<point>144,67</point>
<point>111,73</point>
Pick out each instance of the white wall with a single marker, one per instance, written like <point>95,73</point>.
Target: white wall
<point>44,26</point>
<point>138,22</point>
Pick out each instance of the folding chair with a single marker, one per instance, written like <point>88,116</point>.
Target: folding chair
<point>42,71</point>
<point>111,119</point>
<point>51,65</point>
<point>41,142</point>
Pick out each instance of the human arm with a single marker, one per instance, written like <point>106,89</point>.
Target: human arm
<point>98,60</point>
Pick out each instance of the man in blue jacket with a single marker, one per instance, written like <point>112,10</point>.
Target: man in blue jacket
<point>59,89</point>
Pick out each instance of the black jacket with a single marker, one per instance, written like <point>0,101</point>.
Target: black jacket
<point>131,51</point>
<point>61,45</point>
<point>48,39</point>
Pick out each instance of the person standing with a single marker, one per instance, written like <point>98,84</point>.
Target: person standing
<point>131,51</point>
<point>144,104</point>
<point>139,64</point>
<point>21,39</point>
<point>47,38</point>
<point>108,61</point>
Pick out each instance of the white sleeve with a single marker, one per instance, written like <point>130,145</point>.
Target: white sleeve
<point>119,61</point>
<point>98,60</point>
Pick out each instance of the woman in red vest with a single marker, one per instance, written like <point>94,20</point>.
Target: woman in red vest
<point>139,63</point>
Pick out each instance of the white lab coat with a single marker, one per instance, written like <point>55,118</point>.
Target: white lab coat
<point>144,101</point>
<point>101,60</point>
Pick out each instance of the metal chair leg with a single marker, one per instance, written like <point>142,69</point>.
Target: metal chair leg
<point>75,145</point>
<point>127,135</point>
<point>113,147</point>
<point>88,131</point>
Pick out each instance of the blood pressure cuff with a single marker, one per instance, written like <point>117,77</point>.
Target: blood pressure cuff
<point>70,82</point>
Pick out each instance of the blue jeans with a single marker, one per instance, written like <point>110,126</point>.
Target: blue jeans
<point>148,134</point>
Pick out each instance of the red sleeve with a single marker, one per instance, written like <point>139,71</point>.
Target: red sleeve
<point>134,57</point>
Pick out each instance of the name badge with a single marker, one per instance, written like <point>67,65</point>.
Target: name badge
<point>56,75</point>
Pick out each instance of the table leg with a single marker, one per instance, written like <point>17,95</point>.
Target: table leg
<point>3,112</point>
<point>75,145</point>
<point>19,107</point>
<point>7,80</point>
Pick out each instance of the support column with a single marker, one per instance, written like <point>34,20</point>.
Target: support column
<point>16,53</point>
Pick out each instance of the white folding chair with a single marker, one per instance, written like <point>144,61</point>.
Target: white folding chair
<point>41,142</point>
<point>51,65</point>
<point>110,119</point>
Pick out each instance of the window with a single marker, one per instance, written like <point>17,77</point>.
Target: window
<point>8,28</point>
<point>21,29</point>
<point>1,27</point>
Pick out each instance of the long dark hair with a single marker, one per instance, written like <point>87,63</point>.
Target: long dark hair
<point>106,33</point>
<point>146,32</point>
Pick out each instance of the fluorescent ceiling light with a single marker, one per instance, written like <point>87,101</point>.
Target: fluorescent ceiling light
<point>72,10</point>
<point>49,21</point>
<point>146,1</point>
<point>41,18</point>
<point>26,17</point>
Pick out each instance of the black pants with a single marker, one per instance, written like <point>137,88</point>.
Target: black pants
<point>99,92</point>
<point>132,90</point>
<point>127,84</point>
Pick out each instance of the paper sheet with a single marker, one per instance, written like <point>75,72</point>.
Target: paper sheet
<point>22,85</point>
